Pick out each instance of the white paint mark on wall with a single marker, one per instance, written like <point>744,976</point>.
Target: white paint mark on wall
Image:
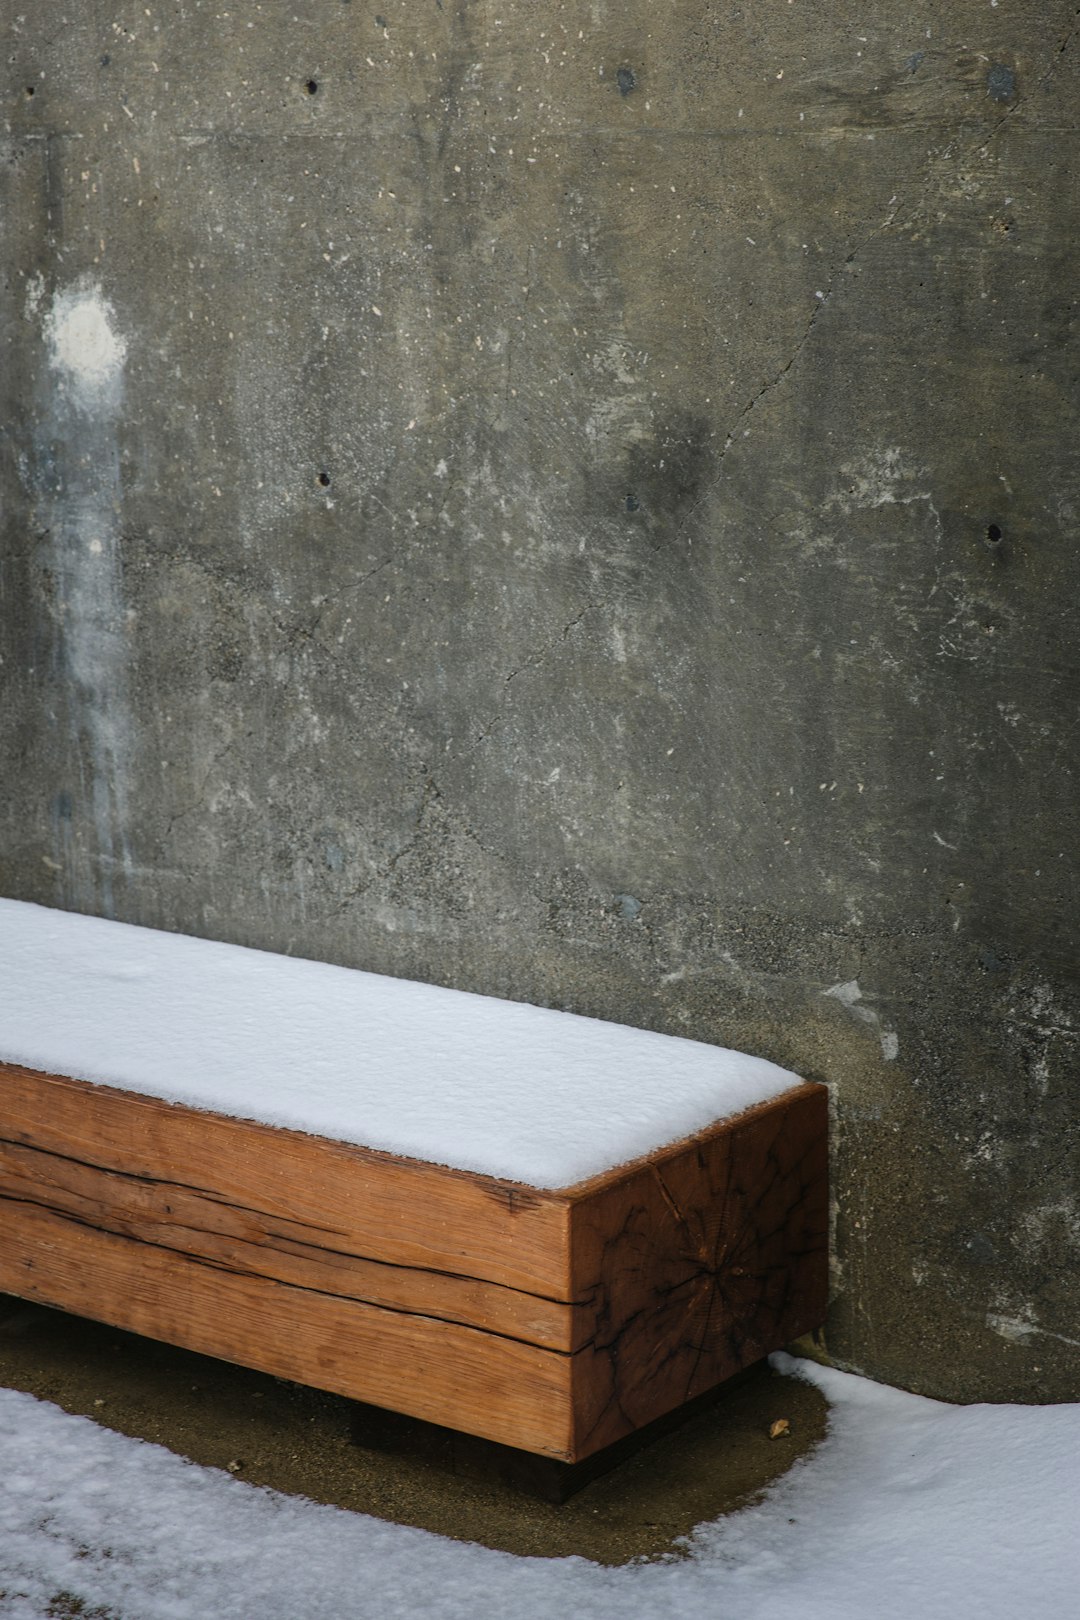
<point>882,478</point>
<point>848,994</point>
<point>35,292</point>
<point>85,348</point>
<point>84,352</point>
<point>850,997</point>
<point>1019,1329</point>
<point>1054,1226</point>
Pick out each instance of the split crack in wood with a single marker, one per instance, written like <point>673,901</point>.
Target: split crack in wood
<point>578,1315</point>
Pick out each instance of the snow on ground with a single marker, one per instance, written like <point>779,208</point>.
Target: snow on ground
<point>511,1090</point>
<point>910,1510</point>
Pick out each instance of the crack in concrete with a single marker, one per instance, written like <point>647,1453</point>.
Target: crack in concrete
<point>330,601</point>
<point>821,302</point>
<point>430,793</point>
<point>198,801</point>
<point>538,658</point>
<point>1020,101</point>
<point>922,181</point>
<point>533,661</point>
<point>1044,78</point>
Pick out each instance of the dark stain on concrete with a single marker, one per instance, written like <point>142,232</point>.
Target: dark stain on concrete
<point>1000,82</point>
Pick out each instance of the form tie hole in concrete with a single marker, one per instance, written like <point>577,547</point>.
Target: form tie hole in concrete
<point>30,89</point>
<point>993,535</point>
<point>626,79</point>
<point>632,503</point>
<point>312,87</point>
<point>324,480</point>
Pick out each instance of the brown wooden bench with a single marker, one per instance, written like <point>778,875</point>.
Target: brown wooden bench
<point>555,1321</point>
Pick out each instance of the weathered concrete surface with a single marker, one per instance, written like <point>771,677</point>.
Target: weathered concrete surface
<point>580,503</point>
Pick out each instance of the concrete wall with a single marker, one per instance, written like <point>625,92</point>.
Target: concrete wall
<point>580,502</point>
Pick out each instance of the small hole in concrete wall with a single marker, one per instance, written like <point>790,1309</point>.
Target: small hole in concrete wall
<point>993,534</point>
<point>312,87</point>
<point>632,503</point>
<point>626,79</point>
<point>30,89</point>
<point>324,480</point>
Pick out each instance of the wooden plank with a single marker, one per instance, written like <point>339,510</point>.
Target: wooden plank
<point>406,1212</point>
<point>246,1240</point>
<point>698,1262</point>
<point>440,1371</point>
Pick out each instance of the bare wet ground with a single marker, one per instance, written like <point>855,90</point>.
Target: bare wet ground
<point>301,1441</point>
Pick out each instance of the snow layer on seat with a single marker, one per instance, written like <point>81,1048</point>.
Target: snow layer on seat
<point>521,1092</point>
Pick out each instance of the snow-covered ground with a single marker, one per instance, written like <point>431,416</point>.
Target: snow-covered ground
<point>910,1510</point>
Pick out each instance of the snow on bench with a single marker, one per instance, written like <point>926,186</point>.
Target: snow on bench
<point>544,1229</point>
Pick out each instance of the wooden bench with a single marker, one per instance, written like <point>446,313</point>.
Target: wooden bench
<point>557,1320</point>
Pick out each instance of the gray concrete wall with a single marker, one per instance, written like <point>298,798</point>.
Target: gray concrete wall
<point>581,503</point>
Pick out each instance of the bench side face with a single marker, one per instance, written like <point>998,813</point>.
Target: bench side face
<point>431,1292</point>
<point>404,1211</point>
<point>697,1263</point>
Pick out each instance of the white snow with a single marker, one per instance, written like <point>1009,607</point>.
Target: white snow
<point>909,1510</point>
<point>508,1089</point>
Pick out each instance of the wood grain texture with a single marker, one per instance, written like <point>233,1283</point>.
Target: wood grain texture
<point>556,1322</point>
<point>494,1386</point>
<point>698,1262</point>
<point>409,1213</point>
